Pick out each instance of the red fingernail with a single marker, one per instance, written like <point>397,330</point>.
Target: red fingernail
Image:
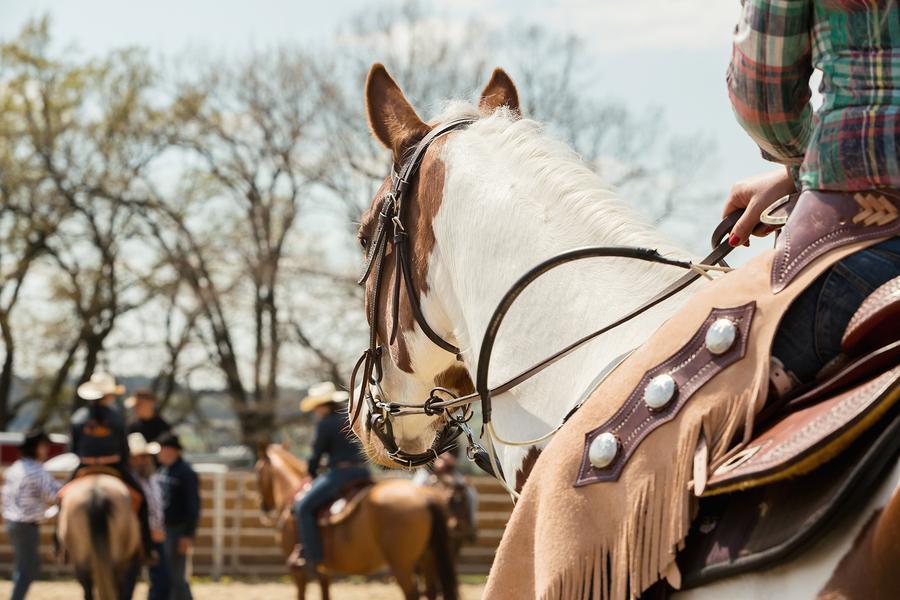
<point>734,241</point>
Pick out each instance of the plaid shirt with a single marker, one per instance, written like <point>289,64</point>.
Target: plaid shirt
<point>27,490</point>
<point>853,141</point>
<point>153,493</point>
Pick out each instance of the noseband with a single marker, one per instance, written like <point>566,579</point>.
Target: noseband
<point>391,229</point>
<point>456,410</point>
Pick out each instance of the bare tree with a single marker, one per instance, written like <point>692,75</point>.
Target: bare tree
<point>219,206</point>
<point>250,135</point>
<point>88,130</point>
<point>435,56</point>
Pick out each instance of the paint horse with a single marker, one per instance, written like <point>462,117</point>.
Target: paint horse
<point>388,524</point>
<point>488,202</point>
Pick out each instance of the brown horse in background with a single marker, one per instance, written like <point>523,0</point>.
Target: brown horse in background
<point>395,526</point>
<point>99,531</point>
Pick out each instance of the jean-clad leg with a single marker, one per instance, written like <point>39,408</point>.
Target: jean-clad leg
<point>322,491</point>
<point>180,588</point>
<point>160,584</point>
<point>810,334</point>
<point>25,540</point>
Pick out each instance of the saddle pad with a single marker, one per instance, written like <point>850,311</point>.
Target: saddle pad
<point>339,510</point>
<point>764,526</point>
<point>136,497</point>
<point>806,439</point>
<point>85,472</point>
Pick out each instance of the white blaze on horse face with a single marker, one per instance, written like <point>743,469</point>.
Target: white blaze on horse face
<point>413,433</point>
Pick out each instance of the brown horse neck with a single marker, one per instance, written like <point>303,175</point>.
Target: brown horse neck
<point>289,472</point>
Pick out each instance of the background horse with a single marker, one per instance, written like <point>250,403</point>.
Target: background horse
<point>394,526</point>
<point>99,531</point>
<point>489,202</point>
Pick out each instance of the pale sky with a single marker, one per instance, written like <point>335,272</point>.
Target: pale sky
<point>649,53</point>
<point>668,53</point>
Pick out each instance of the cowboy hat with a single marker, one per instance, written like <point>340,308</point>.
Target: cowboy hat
<point>138,446</point>
<point>322,393</point>
<point>33,438</point>
<point>100,384</point>
<point>169,440</point>
<point>139,396</point>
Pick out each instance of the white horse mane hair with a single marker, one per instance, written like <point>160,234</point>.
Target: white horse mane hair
<point>561,175</point>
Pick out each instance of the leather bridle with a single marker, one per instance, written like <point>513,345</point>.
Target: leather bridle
<point>456,410</point>
<point>391,229</point>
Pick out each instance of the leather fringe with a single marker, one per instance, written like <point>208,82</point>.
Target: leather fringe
<point>647,539</point>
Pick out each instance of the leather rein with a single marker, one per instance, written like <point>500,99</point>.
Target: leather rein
<point>456,410</point>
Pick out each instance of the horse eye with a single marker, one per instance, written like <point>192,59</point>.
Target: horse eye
<point>364,242</point>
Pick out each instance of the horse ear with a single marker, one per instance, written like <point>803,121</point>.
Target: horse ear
<point>392,118</point>
<point>499,91</point>
<point>261,451</point>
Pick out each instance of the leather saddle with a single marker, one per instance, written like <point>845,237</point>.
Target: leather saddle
<point>816,456</point>
<point>345,503</point>
<point>89,470</point>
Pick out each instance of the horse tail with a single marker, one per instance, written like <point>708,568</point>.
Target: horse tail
<point>440,551</point>
<point>99,510</point>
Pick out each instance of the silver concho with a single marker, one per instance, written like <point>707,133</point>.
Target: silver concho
<point>720,336</point>
<point>659,391</point>
<point>603,450</point>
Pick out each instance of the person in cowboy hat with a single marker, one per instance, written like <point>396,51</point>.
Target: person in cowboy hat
<point>98,438</point>
<point>346,463</point>
<point>143,467</point>
<point>147,421</point>
<point>181,507</point>
<point>27,490</point>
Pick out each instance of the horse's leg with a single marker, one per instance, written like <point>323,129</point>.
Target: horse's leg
<point>300,582</point>
<point>83,575</point>
<point>428,571</point>
<point>324,585</point>
<point>406,579</point>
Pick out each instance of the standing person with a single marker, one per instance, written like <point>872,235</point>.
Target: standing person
<point>146,421</point>
<point>143,467</point>
<point>346,463</point>
<point>27,491</point>
<point>849,149</point>
<point>463,502</point>
<point>99,440</point>
<point>181,504</point>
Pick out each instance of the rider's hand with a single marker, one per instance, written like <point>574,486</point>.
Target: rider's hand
<point>184,545</point>
<point>158,535</point>
<point>755,194</point>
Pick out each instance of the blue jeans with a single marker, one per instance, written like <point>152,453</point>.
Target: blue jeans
<point>810,334</point>
<point>323,490</point>
<point>160,578</point>
<point>158,575</point>
<point>26,542</point>
<point>177,562</point>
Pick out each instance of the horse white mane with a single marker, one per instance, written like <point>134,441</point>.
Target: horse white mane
<point>562,176</point>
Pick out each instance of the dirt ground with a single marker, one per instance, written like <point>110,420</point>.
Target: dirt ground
<point>242,590</point>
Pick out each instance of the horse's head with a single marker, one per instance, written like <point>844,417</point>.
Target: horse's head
<point>414,347</point>
<point>265,481</point>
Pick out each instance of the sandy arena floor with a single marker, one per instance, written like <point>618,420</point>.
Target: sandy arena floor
<point>264,590</point>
